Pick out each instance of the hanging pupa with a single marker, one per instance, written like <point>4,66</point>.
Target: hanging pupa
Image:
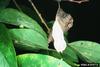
<point>63,22</point>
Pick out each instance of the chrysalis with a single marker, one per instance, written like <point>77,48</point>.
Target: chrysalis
<point>63,22</point>
<point>57,33</point>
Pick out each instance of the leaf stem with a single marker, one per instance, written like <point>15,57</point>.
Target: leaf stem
<point>42,20</point>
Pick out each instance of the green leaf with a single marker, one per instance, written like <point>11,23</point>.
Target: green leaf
<point>4,3</point>
<point>88,51</point>
<point>31,12</point>
<point>7,52</point>
<point>14,17</point>
<point>28,39</point>
<point>39,60</point>
<point>70,56</point>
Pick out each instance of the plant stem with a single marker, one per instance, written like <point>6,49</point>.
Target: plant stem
<point>42,20</point>
<point>17,5</point>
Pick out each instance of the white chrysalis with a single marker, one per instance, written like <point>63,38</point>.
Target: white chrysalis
<point>63,23</point>
<point>58,36</point>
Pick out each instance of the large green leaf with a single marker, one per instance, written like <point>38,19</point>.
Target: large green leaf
<point>39,60</point>
<point>70,56</point>
<point>14,17</point>
<point>7,52</point>
<point>87,51</point>
<point>4,3</point>
<point>28,39</point>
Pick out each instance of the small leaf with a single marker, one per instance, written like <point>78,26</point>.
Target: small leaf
<point>88,51</point>
<point>39,60</point>
<point>14,17</point>
<point>28,39</point>
<point>7,52</point>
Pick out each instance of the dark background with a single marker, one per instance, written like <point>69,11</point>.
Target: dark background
<point>86,17</point>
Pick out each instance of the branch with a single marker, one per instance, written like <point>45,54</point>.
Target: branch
<point>42,20</point>
<point>17,5</point>
<point>79,2</point>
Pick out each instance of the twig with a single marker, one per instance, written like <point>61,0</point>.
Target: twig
<point>42,20</point>
<point>17,5</point>
<point>79,2</point>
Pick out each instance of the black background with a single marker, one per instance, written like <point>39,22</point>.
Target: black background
<point>86,17</point>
